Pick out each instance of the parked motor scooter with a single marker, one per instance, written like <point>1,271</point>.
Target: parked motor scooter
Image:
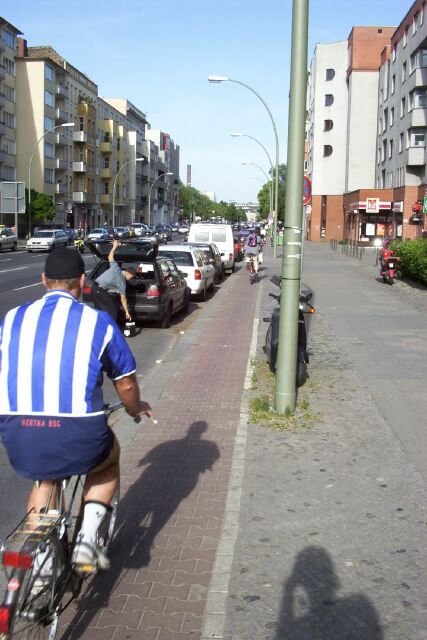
<point>272,336</point>
<point>388,263</point>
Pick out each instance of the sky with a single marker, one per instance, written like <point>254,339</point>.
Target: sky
<point>159,53</point>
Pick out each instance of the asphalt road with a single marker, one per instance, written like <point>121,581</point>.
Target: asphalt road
<point>20,283</point>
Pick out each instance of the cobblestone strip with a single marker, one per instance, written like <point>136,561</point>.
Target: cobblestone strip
<point>214,618</point>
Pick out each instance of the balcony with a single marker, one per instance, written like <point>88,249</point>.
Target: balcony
<point>106,147</point>
<point>418,118</point>
<point>60,188</point>
<point>416,156</point>
<point>79,196</point>
<point>60,115</point>
<point>61,139</point>
<point>79,167</point>
<point>60,164</point>
<point>79,136</point>
<point>61,90</point>
<point>421,77</point>
<point>105,173</point>
<point>2,72</point>
<point>105,198</point>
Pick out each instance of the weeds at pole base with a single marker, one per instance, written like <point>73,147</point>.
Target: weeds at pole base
<point>261,404</point>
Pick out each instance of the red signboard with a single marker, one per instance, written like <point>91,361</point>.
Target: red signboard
<point>307,191</point>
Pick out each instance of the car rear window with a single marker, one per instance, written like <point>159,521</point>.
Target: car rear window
<point>44,234</point>
<point>202,236</point>
<point>218,235</point>
<point>182,258</point>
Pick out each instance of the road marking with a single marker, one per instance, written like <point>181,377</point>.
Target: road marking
<point>6,260</point>
<point>15,269</point>
<point>27,286</point>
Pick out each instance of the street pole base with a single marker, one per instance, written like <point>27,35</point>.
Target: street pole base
<point>285,401</point>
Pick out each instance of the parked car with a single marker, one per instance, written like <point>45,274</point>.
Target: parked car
<point>213,255</point>
<point>157,293</point>
<point>100,233</point>
<point>47,239</point>
<point>174,226</point>
<point>198,271</point>
<point>151,233</point>
<point>219,234</point>
<point>71,235</point>
<point>122,232</point>
<point>8,239</point>
<point>138,228</point>
<point>183,228</point>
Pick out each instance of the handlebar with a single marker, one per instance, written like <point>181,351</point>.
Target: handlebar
<point>111,407</point>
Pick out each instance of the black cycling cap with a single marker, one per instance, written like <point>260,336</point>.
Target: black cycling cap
<point>63,264</point>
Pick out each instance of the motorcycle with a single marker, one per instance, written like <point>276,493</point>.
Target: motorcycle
<point>388,264</point>
<point>272,335</point>
<point>79,244</point>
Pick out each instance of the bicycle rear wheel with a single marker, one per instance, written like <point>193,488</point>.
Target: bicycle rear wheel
<point>36,605</point>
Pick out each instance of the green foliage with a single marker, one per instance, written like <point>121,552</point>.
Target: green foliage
<point>195,203</point>
<point>42,207</point>
<point>413,258</point>
<point>264,194</point>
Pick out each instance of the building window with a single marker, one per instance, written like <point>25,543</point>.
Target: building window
<point>422,14</point>
<point>415,24</point>
<point>391,116</point>
<point>11,147</point>
<point>9,38</point>
<point>9,65</point>
<point>330,74</point>
<point>385,121</point>
<point>418,60</point>
<point>400,142</point>
<point>327,150</point>
<point>49,98</point>
<point>419,97</point>
<point>49,73</point>
<point>328,125</point>
<point>384,151</point>
<point>390,148</point>
<point>405,36</point>
<point>402,107</point>
<point>417,137</point>
<point>48,123</point>
<point>329,99</point>
<point>49,150</point>
<point>380,128</point>
<point>393,84</point>
<point>81,123</point>
<point>404,72</point>
<point>393,53</point>
<point>9,173</point>
<point>9,92</point>
<point>49,176</point>
<point>106,187</point>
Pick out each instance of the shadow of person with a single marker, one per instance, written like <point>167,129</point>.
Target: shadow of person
<point>172,472</point>
<point>311,607</point>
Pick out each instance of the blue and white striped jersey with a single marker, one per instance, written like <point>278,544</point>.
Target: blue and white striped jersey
<point>53,353</point>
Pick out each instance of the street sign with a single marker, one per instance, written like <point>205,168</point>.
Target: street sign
<point>307,190</point>
<point>13,197</point>
<point>372,205</point>
<point>425,204</point>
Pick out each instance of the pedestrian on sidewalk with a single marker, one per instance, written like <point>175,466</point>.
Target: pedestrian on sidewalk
<point>109,289</point>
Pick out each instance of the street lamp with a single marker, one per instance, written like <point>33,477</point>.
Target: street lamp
<point>169,173</point>
<point>58,126</point>
<point>114,184</point>
<point>216,80</point>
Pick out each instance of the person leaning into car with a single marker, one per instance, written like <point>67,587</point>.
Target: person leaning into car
<point>111,285</point>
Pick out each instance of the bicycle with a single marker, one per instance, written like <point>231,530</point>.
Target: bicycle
<point>250,266</point>
<point>34,600</point>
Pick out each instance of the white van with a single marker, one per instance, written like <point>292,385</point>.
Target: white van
<point>219,234</point>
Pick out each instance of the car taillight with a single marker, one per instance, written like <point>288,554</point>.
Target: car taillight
<point>230,256</point>
<point>4,619</point>
<point>87,291</point>
<point>18,560</point>
<point>139,270</point>
<point>197,274</point>
<point>153,291</point>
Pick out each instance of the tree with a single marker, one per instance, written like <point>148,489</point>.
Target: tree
<point>264,194</point>
<point>193,202</point>
<point>42,207</point>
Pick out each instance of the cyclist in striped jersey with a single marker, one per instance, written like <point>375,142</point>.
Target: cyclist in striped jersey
<point>53,354</point>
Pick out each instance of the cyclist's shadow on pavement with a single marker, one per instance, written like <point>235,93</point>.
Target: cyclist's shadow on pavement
<point>172,472</point>
<point>311,607</point>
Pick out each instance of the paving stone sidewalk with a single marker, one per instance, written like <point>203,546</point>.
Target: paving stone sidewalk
<point>332,541</point>
<point>174,483</point>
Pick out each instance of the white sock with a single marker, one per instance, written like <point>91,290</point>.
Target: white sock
<point>93,515</point>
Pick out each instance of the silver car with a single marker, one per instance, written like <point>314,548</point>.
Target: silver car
<point>47,239</point>
<point>8,239</point>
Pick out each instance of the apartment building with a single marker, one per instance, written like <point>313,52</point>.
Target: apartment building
<point>161,190</point>
<point>402,123</point>
<point>136,123</point>
<point>8,37</point>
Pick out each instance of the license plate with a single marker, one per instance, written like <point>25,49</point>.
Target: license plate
<point>391,265</point>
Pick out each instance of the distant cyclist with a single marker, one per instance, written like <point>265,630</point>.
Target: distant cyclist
<point>53,354</point>
<point>252,249</point>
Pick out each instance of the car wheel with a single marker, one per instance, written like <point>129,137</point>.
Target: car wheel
<point>203,295</point>
<point>15,246</point>
<point>166,322</point>
<point>186,304</point>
